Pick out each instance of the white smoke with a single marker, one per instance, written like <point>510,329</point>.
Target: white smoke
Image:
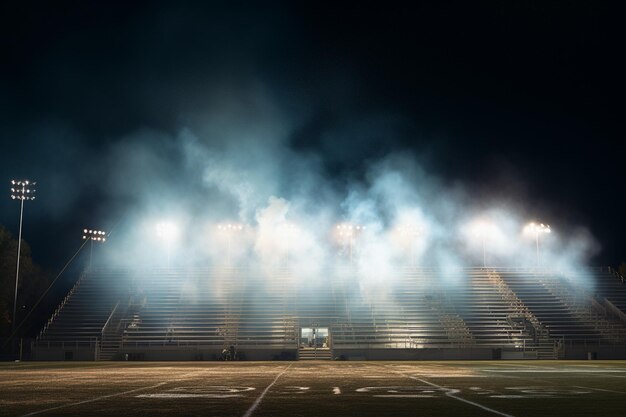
<point>243,170</point>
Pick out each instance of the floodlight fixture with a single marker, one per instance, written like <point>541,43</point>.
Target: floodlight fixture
<point>536,229</point>
<point>229,227</point>
<point>93,236</point>
<point>21,190</point>
<point>348,231</point>
<point>166,231</point>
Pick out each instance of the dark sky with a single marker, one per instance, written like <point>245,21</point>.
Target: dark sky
<point>504,97</point>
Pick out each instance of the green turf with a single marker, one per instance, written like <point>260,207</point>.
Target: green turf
<point>517,388</point>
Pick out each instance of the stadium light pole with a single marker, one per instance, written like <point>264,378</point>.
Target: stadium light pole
<point>347,233</point>
<point>167,232</point>
<point>229,229</point>
<point>412,232</point>
<point>536,230</point>
<point>484,252</point>
<point>20,190</point>
<point>288,230</point>
<point>93,235</point>
<point>482,230</point>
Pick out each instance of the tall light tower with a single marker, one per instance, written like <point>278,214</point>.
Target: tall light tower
<point>229,229</point>
<point>411,233</point>
<point>287,231</point>
<point>167,232</point>
<point>21,190</point>
<point>536,229</point>
<point>483,230</point>
<point>93,235</point>
<point>347,233</point>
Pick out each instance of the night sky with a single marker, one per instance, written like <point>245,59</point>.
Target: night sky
<point>516,100</point>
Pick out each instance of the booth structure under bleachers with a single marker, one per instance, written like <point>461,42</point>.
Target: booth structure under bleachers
<point>278,314</point>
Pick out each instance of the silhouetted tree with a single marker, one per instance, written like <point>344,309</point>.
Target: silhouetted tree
<point>32,280</point>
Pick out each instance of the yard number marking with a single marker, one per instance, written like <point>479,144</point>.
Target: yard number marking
<point>93,399</point>
<point>450,392</point>
<point>212,391</point>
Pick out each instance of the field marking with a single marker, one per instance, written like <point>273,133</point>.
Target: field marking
<point>260,398</point>
<point>166,395</point>
<point>515,365</point>
<point>47,367</point>
<point>509,373</point>
<point>556,371</point>
<point>451,392</point>
<point>212,391</point>
<point>93,399</point>
<point>181,378</point>
<point>601,389</point>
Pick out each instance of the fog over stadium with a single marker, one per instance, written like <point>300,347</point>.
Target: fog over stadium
<point>326,139</point>
<point>243,171</point>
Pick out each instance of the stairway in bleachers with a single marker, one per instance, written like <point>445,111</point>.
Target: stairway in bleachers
<point>82,316</point>
<point>567,312</point>
<point>487,310</point>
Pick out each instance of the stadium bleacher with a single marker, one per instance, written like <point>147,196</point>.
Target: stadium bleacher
<point>460,313</point>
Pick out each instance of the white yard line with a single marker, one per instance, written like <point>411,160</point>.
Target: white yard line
<point>258,400</point>
<point>515,365</point>
<point>93,399</point>
<point>506,373</point>
<point>451,393</point>
<point>180,378</point>
<point>61,367</point>
<point>557,371</point>
<point>601,389</point>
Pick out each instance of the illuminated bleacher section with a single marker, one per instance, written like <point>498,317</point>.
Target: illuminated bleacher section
<point>465,313</point>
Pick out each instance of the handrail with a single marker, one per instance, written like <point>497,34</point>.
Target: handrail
<point>57,311</point>
<point>617,274</point>
<point>108,321</point>
<point>614,309</point>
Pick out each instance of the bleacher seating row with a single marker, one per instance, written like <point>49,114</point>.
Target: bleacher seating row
<point>422,308</point>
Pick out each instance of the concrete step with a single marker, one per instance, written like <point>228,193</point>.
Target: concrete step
<point>315,354</point>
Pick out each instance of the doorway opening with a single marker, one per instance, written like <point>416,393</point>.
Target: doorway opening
<point>315,343</point>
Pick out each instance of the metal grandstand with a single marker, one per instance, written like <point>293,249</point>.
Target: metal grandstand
<point>198,314</point>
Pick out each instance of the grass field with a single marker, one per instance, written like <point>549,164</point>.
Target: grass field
<point>528,388</point>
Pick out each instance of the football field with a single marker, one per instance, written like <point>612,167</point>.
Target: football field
<point>486,388</point>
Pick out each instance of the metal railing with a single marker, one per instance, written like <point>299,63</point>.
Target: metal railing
<point>92,343</point>
<point>106,324</point>
<point>57,311</point>
<point>616,274</point>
